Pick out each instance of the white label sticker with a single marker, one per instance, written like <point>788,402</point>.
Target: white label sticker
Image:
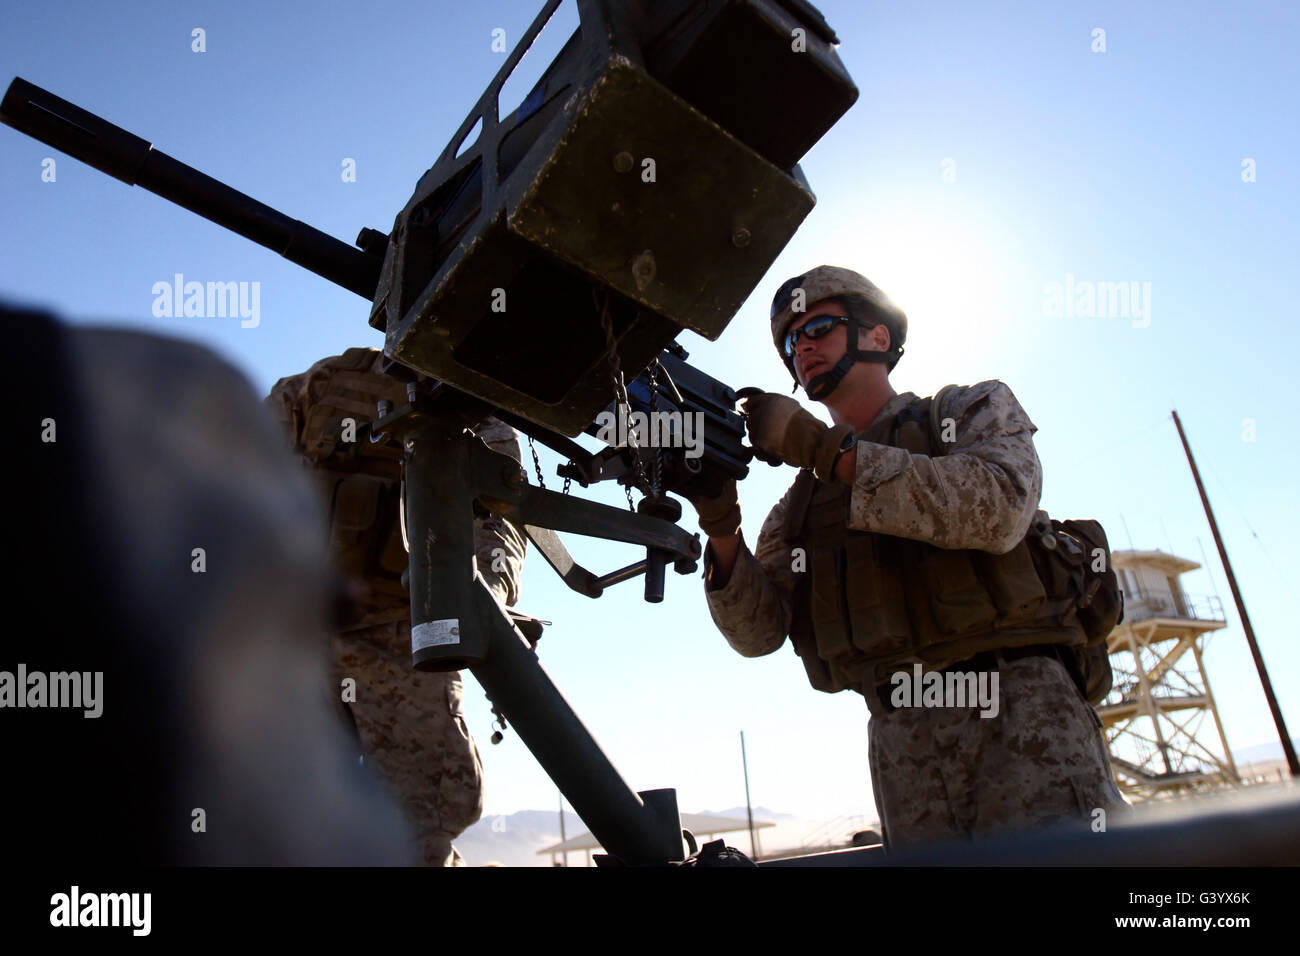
<point>432,633</point>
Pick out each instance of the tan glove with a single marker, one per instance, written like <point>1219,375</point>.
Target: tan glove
<point>782,429</point>
<point>720,516</point>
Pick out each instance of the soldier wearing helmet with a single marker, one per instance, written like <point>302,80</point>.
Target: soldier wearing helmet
<point>902,557</point>
<point>411,725</point>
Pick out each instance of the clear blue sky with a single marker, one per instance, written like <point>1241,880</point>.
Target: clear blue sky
<point>1122,166</point>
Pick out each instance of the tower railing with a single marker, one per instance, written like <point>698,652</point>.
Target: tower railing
<point>1196,607</point>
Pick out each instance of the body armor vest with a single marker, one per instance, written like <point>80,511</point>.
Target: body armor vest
<point>872,604</point>
<point>360,482</point>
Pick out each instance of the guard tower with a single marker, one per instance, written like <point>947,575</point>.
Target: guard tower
<point>1155,717</point>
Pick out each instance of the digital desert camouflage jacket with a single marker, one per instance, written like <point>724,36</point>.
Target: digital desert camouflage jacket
<point>982,494</point>
<point>310,407</point>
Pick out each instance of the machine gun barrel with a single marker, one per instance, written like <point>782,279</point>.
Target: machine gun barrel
<point>125,156</point>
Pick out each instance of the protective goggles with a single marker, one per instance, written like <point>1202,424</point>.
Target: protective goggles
<point>814,328</point>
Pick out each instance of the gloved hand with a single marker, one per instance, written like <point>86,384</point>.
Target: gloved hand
<point>719,516</point>
<point>782,430</point>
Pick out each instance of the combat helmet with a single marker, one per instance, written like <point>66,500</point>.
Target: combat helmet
<point>866,306</point>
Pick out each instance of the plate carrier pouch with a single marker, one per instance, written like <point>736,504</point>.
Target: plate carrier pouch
<point>871,604</point>
<point>360,481</point>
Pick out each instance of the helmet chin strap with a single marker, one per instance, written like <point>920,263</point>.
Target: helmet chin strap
<point>820,386</point>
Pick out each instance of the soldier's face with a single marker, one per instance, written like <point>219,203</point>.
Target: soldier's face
<point>814,356</point>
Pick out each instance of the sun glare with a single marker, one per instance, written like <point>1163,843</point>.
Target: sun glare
<point>951,271</point>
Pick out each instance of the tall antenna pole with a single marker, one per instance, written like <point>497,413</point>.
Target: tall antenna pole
<point>1128,534</point>
<point>1287,747</point>
<point>562,837</point>
<point>749,810</point>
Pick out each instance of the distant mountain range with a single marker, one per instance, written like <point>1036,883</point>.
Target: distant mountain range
<point>513,839</point>
<point>760,813</point>
<point>1261,752</point>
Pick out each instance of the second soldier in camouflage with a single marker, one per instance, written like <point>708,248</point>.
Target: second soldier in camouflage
<point>411,723</point>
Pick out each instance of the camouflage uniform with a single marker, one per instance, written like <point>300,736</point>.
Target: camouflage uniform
<point>947,773</point>
<point>411,723</point>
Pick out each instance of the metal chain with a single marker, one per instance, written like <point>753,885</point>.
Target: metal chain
<point>537,466</point>
<point>600,297</point>
<point>537,463</point>
<point>657,474</point>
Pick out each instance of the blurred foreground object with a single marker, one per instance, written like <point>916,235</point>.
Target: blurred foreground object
<point>181,555</point>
